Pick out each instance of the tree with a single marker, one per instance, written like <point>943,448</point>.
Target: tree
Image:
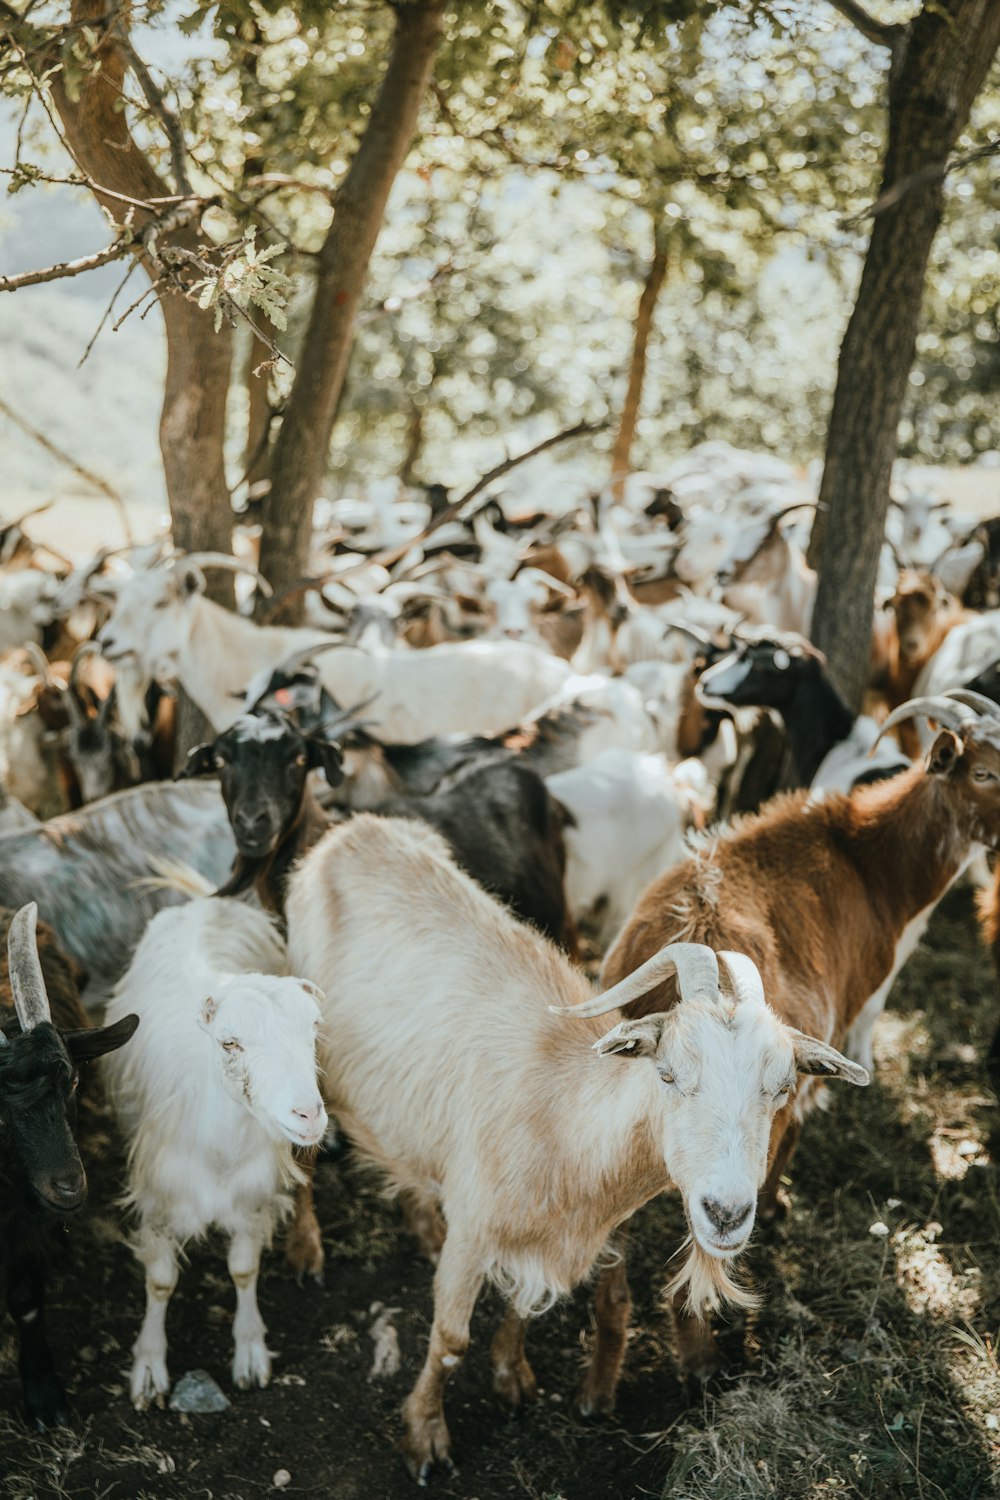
<point>938,63</point>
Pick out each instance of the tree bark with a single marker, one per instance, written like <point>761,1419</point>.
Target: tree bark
<point>938,64</point>
<point>299,455</point>
<point>621,453</point>
<point>193,416</point>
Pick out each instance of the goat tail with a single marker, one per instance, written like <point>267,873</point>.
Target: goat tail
<point>708,1283</point>
<point>174,875</point>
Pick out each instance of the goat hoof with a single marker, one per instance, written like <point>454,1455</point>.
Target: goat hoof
<point>428,1446</point>
<point>595,1406</point>
<point>251,1365</point>
<point>316,1277</point>
<point>515,1387</point>
<point>45,1402</point>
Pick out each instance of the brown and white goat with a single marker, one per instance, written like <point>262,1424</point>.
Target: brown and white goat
<point>536,1133</point>
<point>828,897</point>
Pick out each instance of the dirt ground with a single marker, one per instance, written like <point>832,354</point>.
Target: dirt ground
<point>870,1370</point>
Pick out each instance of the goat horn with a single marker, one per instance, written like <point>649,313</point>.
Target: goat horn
<point>696,634</point>
<point>230,564</point>
<point>978,701</point>
<point>946,710</point>
<point>695,965</point>
<point>26,979</point>
<point>305,653</point>
<point>39,661</point>
<point>348,718</point>
<point>744,976</point>
<point>85,649</point>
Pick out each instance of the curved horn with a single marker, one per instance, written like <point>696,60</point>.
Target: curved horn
<point>946,710</point>
<point>977,701</point>
<point>39,661</point>
<point>85,649</point>
<point>540,576</point>
<point>230,564</point>
<point>743,975</point>
<point>26,981</point>
<point>702,637</point>
<point>305,653</point>
<point>695,965</point>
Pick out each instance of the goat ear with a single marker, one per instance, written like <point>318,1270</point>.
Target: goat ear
<point>327,757</point>
<point>945,752</point>
<point>95,1041</point>
<point>634,1038</point>
<point>821,1060</point>
<point>200,762</point>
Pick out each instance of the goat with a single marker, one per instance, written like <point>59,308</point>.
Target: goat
<point>163,620</point>
<point>924,615</point>
<point>42,1179</point>
<point>89,870</point>
<point>785,887</point>
<point>775,585</point>
<point>537,1134</point>
<point>219,1090</point>
<point>497,816</point>
<point>629,815</point>
<point>829,749</point>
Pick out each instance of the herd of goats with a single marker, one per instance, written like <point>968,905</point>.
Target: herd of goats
<point>498,742</point>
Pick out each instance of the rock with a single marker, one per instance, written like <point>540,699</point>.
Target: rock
<point>196,1391</point>
<point>281,1479</point>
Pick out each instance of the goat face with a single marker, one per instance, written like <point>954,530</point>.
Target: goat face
<point>264,1031</point>
<point>152,619</point>
<point>725,1069</point>
<point>968,763</point>
<point>39,1072</point>
<point>262,762</point>
<point>764,673</point>
<point>917,603</point>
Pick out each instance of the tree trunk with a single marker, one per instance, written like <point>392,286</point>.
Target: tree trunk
<point>299,455</point>
<point>193,417</point>
<point>939,63</point>
<point>621,454</point>
<point>257,451</point>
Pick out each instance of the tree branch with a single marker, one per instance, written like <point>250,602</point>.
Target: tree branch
<point>158,105</point>
<point>87,475</point>
<point>879,32</point>
<point>451,512</point>
<point>66,267</point>
<point>931,173</point>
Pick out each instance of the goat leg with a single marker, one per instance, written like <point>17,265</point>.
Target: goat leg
<point>612,1311</point>
<point>696,1347</point>
<point>772,1202</point>
<point>423,1220</point>
<point>251,1356</point>
<point>45,1401</point>
<point>304,1243</point>
<point>149,1380</point>
<point>513,1378</point>
<point>457,1280</point>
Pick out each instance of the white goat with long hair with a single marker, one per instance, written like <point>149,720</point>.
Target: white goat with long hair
<point>212,1105</point>
<point>163,621</point>
<point>536,1133</point>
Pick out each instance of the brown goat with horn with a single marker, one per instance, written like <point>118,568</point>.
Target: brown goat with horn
<point>828,897</point>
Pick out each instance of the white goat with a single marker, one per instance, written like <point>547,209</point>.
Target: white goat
<point>163,620</point>
<point>213,1102</point>
<point>537,1134</point>
<point>630,817</point>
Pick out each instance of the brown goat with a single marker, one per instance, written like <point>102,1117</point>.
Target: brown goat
<point>829,899</point>
<point>923,614</point>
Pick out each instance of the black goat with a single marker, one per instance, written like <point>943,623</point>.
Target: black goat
<point>41,1174</point>
<point>781,671</point>
<point>498,816</point>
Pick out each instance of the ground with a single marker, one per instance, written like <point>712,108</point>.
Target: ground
<point>870,1370</point>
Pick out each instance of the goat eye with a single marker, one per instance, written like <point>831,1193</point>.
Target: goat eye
<point>218,761</point>
<point>232,1045</point>
<point>982,775</point>
<point>300,760</point>
<point>74,1083</point>
<point>667,1078</point>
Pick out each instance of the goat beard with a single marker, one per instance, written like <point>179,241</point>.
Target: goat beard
<point>708,1283</point>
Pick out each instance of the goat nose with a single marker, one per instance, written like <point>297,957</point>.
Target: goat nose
<point>726,1220</point>
<point>68,1190</point>
<point>311,1120</point>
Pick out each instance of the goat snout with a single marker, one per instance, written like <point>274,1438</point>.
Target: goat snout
<point>65,1192</point>
<point>309,1122</point>
<point>727,1220</point>
<point>252,828</point>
